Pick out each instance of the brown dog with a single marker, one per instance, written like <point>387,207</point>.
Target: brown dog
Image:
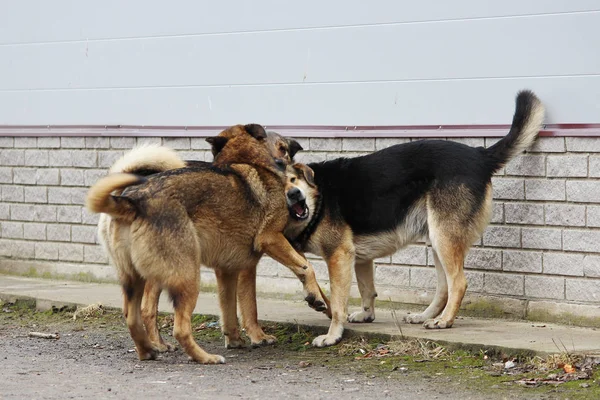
<point>224,216</point>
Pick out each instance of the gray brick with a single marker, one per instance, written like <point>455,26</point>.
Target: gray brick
<point>21,212</point>
<point>71,177</point>
<point>97,143</point>
<point>6,246</point>
<point>68,142</point>
<point>304,142</point>
<point>384,143</point>
<point>411,255</point>
<point>545,287</point>
<point>45,213</point>
<point>48,142</point>
<point>177,143</point>
<point>35,194</point>
<point>583,191</point>
<point>595,166</point>
<point>60,158</point>
<point>83,234</point>
<point>475,281</point>
<point>36,158</point>
<point>502,236</point>
<point>489,142</point>
<point>541,189</point>
<point>471,142</point>
<point>24,142</point>
<point>202,144</point>
<point>34,231</point>
<point>84,158</point>
<point>423,277</point>
<point>542,238</point>
<point>384,260</point>
<point>392,275</point>
<point>22,250</point>
<point>70,252</point>
<point>46,251</point>
<point>122,142</point>
<point>485,259</point>
<point>6,175</point>
<point>563,264</point>
<point>89,218</point>
<point>78,195</point>
<point>59,195</point>
<point>497,213</point>
<point>6,142</point>
<point>325,144</point>
<point>13,193</point>
<point>95,254</point>
<point>549,145</point>
<point>12,230</point>
<point>24,176</point>
<point>527,165</point>
<point>107,158</point>
<point>583,290</point>
<point>565,214</point>
<point>521,261</point>
<point>591,266</point>
<point>507,284</point>
<point>4,211</point>
<point>583,144</point>
<point>58,232</point>
<point>69,214</point>
<point>191,155</point>
<point>581,240</point>
<point>12,157</point>
<point>307,157</point>
<point>91,176</point>
<point>356,144</point>
<point>508,188</point>
<point>567,166</point>
<point>593,216</point>
<point>524,213</point>
<point>47,176</point>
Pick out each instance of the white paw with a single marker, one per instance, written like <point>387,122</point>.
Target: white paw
<point>437,324</point>
<point>415,318</point>
<point>326,340</point>
<point>361,316</point>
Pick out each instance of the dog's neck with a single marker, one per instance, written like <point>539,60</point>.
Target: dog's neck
<point>301,240</point>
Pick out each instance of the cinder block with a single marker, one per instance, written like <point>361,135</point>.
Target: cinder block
<point>91,176</point>
<point>177,143</point>
<point>4,211</point>
<point>35,194</point>
<point>308,157</point>
<point>37,158</point>
<point>70,252</point>
<point>475,281</point>
<point>541,238</point>
<point>471,142</point>
<point>581,191</point>
<point>524,213</point>
<point>392,275</point>
<point>13,193</point>
<point>45,213</point>
<point>356,144</point>
<point>521,261</point>
<point>200,144</point>
<point>6,246</point>
<point>486,259</point>
<point>549,145</point>
<point>594,166</point>
<point>12,157</point>
<point>122,142</point>
<point>71,177</point>
<point>565,214</point>
<point>508,188</point>
<point>21,175</point>
<point>89,218</point>
<point>384,143</point>
<point>12,230</point>
<point>58,232</point>
<point>497,213</point>
<point>21,212</point>
<point>46,251</point>
<point>107,158</point>
<point>84,158</point>
<point>583,290</point>
<point>84,234</point>
<point>59,195</point>
<point>97,143</point>
<point>69,214</point>
<point>34,231</point>
<point>527,165</point>
<point>23,142</point>
<point>567,166</point>
<point>6,142</point>
<point>411,255</point>
<point>325,144</point>
<point>591,266</point>
<point>583,144</point>
<point>423,277</point>
<point>48,142</point>
<point>78,195</point>
<point>72,142</point>
<point>22,249</point>
<point>60,158</point>
<point>593,216</point>
<point>563,264</point>
<point>503,283</point>
<point>502,236</point>
<point>191,155</point>
<point>6,175</point>
<point>581,240</point>
<point>96,254</point>
<point>47,176</point>
<point>541,189</point>
<point>545,287</point>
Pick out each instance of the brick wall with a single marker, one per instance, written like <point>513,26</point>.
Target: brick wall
<point>542,247</point>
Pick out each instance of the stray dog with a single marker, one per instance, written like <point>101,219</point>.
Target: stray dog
<point>351,211</point>
<point>164,226</point>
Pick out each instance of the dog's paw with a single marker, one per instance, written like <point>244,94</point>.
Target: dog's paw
<point>361,316</point>
<point>147,354</point>
<point>264,340</point>
<point>437,324</point>
<point>213,359</point>
<point>316,303</point>
<point>164,347</point>
<point>414,318</point>
<point>234,343</point>
<point>326,340</point>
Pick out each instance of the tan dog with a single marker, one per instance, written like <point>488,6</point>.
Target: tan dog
<point>224,216</point>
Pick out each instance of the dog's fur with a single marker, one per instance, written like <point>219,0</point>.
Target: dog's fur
<point>371,206</point>
<point>225,216</point>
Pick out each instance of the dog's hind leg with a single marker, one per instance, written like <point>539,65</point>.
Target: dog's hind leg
<point>366,286</point>
<point>227,288</point>
<point>439,301</point>
<point>248,308</point>
<point>133,290</point>
<point>149,314</point>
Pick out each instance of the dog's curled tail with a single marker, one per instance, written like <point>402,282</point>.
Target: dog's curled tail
<point>148,159</point>
<point>100,199</point>
<point>526,125</point>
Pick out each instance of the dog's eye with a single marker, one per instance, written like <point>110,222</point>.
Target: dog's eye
<point>293,180</point>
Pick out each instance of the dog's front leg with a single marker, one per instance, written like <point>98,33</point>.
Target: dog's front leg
<point>339,264</point>
<point>248,308</point>
<point>227,288</point>
<point>277,247</point>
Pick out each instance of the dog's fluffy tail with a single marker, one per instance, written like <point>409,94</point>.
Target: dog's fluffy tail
<point>147,160</point>
<point>100,199</point>
<point>526,124</point>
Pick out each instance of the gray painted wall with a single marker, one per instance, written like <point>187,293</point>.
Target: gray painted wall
<point>281,63</point>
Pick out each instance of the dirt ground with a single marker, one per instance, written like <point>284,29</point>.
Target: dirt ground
<point>93,358</point>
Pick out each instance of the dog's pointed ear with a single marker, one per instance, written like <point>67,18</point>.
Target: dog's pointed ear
<point>256,131</point>
<point>307,172</point>
<point>293,147</point>
<point>217,143</point>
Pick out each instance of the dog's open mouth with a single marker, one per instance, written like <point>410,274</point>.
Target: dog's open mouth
<point>299,210</point>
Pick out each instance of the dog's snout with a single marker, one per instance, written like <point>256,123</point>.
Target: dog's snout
<point>294,194</point>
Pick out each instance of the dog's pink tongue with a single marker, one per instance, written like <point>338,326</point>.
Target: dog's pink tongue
<point>298,209</point>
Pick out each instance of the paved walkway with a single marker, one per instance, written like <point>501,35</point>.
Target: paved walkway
<point>522,335</point>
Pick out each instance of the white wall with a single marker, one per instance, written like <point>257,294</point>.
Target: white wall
<point>288,63</point>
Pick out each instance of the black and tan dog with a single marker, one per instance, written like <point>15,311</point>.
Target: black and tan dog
<point>225,216</point>
<point>354,210</point>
